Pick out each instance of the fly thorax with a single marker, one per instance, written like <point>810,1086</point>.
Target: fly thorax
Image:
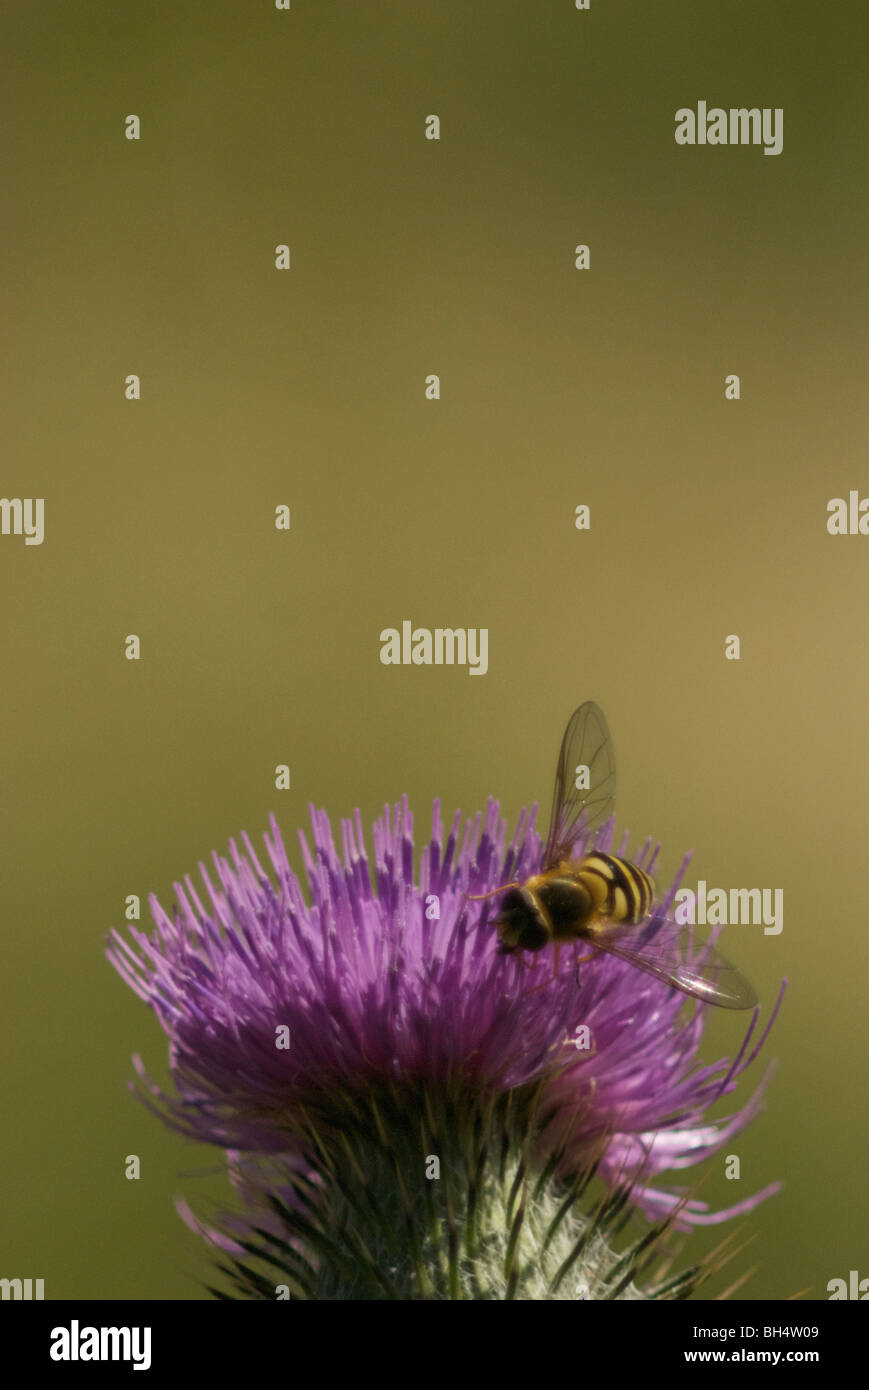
<point>567,904</point>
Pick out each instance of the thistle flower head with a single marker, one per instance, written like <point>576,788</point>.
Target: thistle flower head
<point>383,1009</point>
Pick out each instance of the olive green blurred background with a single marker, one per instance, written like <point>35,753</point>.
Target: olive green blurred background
<point>558,387</point>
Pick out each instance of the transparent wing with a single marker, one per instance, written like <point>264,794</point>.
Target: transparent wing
<point>586,743</point>
<point>674,956</point>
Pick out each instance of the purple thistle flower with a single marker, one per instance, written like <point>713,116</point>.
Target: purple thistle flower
<point>396,989</point>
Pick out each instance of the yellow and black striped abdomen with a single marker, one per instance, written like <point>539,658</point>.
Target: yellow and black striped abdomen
<point>620,891</point>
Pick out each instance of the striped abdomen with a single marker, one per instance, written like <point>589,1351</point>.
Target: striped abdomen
<point>620,891</point>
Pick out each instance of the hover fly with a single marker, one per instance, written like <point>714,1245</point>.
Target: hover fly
<point>598,898</point>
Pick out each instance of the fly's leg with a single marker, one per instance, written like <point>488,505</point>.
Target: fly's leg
<point>580,960</point>
<point>481,897</point>
<point>554,972</point>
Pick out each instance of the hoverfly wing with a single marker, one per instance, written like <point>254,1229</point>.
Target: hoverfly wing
<point>577,810</point>
<point>676,958</point>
